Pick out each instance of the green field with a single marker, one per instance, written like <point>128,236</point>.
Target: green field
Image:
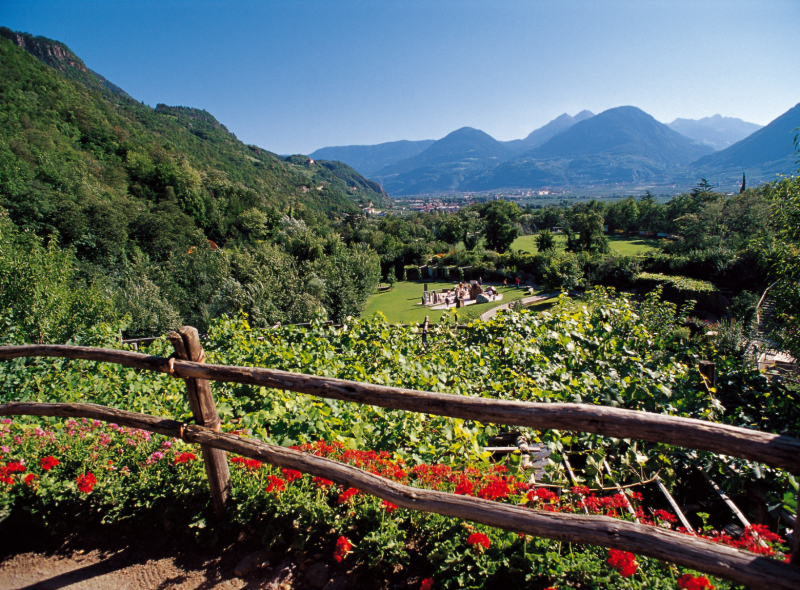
<point>400,304</point>
<point>622,245</point>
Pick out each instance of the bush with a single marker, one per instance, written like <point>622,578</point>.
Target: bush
<point>563,271</point>
<point>680,290</point>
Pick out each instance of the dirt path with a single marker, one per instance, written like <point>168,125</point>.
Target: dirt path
<point>489,314</point>
<point>145,555</point>
<point>118,557</point>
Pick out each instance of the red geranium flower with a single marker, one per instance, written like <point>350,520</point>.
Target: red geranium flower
<point>496,490</point>
<point>29,478</point>
<point>388,506</point>
<point>623,561</point>
<point>291,475</point>
<point>48,463</point>
<point>86,482</point>
<point>479,539</point>
<point>464,487</point>
<point>427,584</point>
<point>322,482</point>
<point>347,495</point>
<point>343,547</point>
<point>276,484</point>
<point>185,458</point>
<point>689,582</point>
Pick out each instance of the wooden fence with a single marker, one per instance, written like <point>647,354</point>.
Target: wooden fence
<point>189,364</point>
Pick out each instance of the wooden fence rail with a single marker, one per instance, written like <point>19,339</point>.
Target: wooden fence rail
<point>763,447</point>
<point>713,558</point>
<point>720,560</point>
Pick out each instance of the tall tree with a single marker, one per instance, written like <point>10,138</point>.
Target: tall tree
<point>500,229</point>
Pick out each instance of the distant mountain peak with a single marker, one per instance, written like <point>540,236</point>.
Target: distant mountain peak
<point>53,53</point>
<point>716,131</point>
<point>583,115</point>
<point>762,154</point>
<point>60,57</point>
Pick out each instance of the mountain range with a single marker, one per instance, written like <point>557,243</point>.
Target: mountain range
<point>717,132</point>
<point>618,146</point>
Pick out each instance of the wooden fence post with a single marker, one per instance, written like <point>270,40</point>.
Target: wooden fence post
<point>187,347</point>
<point>708,370</point>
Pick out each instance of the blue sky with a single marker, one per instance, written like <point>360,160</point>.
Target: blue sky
<point>294,76</point>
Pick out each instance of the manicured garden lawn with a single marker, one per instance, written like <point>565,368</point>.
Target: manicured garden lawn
<point>400,304</point>
<point>632,246</point>
<point>623,245</point>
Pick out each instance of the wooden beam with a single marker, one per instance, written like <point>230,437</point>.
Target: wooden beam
<point>693,552</point>
<point>763,447</point>
<point>628,505</point>
<point>574,481</point>
<point>735,509</point>
<point>674,505</point>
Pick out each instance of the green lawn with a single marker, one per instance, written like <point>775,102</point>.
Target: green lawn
<point>622,245</point>
<point>400,304</point>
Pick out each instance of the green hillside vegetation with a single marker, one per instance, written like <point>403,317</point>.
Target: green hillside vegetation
<point>135,194</point>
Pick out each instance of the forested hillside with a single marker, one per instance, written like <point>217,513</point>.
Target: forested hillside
<point>144,198</point>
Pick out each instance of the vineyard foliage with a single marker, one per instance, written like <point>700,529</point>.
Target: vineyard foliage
<point>609,351</point>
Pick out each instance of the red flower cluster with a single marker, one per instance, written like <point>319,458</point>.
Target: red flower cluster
<point>48,463</point>
<point>464,487</point>
<point>377,462</point>
<point>623,561</point>
<point>348,494</point>
<point>665,516</point>
<point>29,479</point>
<point>343,547</point>
<point>185,458</point>
<point>427,584</point>
<point>388,506</point>
<point>322,482</point>
<point>251,464</point>
<point>291,475</point>
<point>276,484</point>
<point>7,472</point>
<point>543,494</point>
<point>479,539</point>
<point>750,539</point>
<point>497,489</point>
<point>86,482</point>
<point>605,504</point>
<point>689,582</point>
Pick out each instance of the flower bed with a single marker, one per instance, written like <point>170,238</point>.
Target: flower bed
<point>114,472</point>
